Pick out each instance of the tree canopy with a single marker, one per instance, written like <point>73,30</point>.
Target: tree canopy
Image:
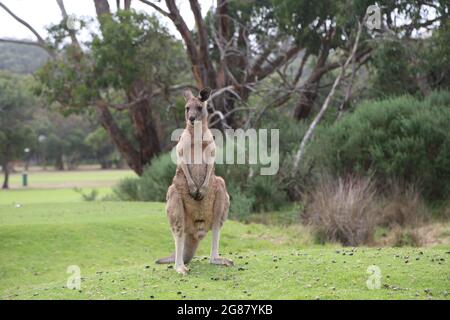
<point>16,112</point>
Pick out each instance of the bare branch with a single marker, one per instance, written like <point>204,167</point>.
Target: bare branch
<point>221,119</point>
<point>126,106</point>
<point>174,88</point>
<point>225,89</point>
<point>72,32</point>
<point>40,40</point>
<point>348,92</point>
<point>157,8</point>
<point>184,86</point>
<point>277,101</point>
<point>277,62</point>
<point>25,42</point>
<point>222,116</point>
<point>144,96</point>
<point>222,52</point>
<point>300,69</point>
<point>26,24</point>
<point>330,95</point>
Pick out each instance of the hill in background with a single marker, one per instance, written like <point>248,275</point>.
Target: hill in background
<point>21,58</point>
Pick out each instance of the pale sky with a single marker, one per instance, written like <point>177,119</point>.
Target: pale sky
<point>41,13</point>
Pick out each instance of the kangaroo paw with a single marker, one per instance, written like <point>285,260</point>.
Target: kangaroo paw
<point>222,262</point>
<point>182,270</point>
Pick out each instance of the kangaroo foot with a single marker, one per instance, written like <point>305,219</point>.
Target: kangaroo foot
<point>182,270</point>
<point>222,262</point>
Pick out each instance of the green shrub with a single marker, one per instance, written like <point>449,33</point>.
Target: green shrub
<point>152,185</point>
<point>156,179</point>
<point>267,194</point>
<point>403,138</point>
<point>438,98</point>
<point>127,189</point>
<point>290,132</point>
<point>240,203</point>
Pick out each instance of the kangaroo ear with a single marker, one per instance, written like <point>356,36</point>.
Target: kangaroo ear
<point>204,94</point>
<point>187,94</point>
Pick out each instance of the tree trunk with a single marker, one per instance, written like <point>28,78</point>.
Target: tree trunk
<point>105,164</point>
<point>146,132</point>
<point>305,103</point>
<point>59,163</point>
<point>5,166</point>
<point>308,94</point>
<point>101,7</point>
<point>132,157</point>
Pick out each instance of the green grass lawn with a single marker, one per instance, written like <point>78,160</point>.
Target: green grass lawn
<point>32,196</point>
<point>59,186</point>
<point>68,179</point>
<point>115,245</point>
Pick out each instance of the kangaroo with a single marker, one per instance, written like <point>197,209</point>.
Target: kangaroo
<point>197,200</point>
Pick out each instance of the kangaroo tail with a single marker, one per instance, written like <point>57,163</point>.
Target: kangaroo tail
<point>190,246</point>
<point>169,259</point>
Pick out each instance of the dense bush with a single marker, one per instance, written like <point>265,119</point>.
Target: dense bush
<point>267,194</point>
<point>156,179</point>
<point>402,138</point>
<point>241,204</point>
<point>152,185</point>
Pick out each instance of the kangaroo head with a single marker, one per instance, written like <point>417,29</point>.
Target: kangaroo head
<point>195,108</point>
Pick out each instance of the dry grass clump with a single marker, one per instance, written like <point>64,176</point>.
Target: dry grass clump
<point>350,210</point>
<point>402,237</point>
<point>404,206</point>
<point>343,210</point>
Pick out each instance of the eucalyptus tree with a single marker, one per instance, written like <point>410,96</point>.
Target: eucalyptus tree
<point>126,70</point>
<point>16,113</point>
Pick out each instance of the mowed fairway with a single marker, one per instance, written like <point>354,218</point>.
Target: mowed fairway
<point>59,186</point>
<point>115,245</point>
<point>69,179</point>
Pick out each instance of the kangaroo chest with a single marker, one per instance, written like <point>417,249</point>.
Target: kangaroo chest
<point>198,173</point>
<point>198,166</point>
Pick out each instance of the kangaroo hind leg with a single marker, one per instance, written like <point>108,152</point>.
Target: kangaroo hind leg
<point>221,206</point>
<point>176,215</point>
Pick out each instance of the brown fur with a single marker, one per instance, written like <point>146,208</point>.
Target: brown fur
<point>197,200</point>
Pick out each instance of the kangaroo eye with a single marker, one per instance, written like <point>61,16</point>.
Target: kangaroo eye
<point>187,108</point>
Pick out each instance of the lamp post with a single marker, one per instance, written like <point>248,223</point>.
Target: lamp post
<point>25,174</point>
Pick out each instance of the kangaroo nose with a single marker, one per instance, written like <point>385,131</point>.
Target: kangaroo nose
<point>191,118</point>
